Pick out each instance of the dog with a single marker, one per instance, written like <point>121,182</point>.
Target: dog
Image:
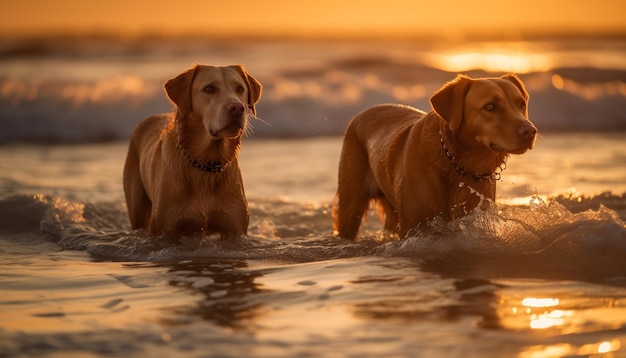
<point>417,166</point>
<point>181,175</point>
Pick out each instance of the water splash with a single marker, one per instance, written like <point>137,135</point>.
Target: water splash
<point>540,239</point>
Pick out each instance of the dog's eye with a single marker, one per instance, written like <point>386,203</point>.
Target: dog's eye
<point>490,107</point>
<point>240,89</point>
<point>209,89</point>
<point>523,106</point>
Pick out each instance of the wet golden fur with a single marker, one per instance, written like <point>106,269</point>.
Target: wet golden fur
<point>392,154</point>
<point>167,191</point>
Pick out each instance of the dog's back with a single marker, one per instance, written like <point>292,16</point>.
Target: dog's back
<point>373,149</point>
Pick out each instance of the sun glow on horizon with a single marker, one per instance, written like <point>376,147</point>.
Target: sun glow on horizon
<point>511,56</point>
<point>308,18</point>
<point>494,62</point>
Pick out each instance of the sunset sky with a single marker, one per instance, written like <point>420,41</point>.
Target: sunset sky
<point>311,18</point>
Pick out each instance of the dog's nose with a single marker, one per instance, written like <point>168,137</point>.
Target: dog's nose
<point>527,131</point>
<point>236,109</point>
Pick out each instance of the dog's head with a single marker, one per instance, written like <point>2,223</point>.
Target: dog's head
<point>491,111</point>
<point>221,97</point>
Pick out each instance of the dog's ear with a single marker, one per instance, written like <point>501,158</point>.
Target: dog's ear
<point>518,83</point>
<point>254,87</point>
<point>178,89</point>
<point>448,102</point>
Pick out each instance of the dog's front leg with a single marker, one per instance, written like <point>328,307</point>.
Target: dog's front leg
<point>233,220</point>
<point>166,212</point>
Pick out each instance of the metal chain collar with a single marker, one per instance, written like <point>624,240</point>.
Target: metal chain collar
<point>495,176</point>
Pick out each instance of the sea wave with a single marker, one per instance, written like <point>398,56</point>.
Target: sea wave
<point>545,239</point>
<point>99,92</point>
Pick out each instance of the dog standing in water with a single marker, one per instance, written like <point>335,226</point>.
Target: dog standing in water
<point>181,175</point>
<point>415,165</point>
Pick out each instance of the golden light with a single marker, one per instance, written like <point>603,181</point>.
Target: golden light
<point>492,60</point>
<point>550,319</point>
<point>330,18</point>
<point>604,347</point>
<point>556,350</point>
<point>546,319</point>
<point>540,302</point>
<point>109,90</point>
<point>589,91</point>
<point>557,81</point>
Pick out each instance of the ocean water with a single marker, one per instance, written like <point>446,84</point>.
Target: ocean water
<point>540,272</point>
<point>96,89</point>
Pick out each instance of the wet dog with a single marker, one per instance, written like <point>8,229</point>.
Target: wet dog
<point>181,175</point>
<point>418,165</point>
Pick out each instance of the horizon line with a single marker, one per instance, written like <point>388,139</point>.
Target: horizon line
<point>455,36</point>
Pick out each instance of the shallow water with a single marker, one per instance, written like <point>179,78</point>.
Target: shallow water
<point>539,273</point>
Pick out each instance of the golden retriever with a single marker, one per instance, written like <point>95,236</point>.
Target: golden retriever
<point>417,165</point>
<point>181,175</point>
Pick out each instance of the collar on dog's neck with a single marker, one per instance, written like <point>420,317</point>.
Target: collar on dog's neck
<point>490,177</point>
<point>216,167</point>
<point>210,167</point>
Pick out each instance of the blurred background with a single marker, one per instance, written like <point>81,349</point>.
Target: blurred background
<point>78,71</point>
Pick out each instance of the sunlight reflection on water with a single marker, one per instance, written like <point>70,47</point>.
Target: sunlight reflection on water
<point>540,302</point>
<point>560,350</point>
<point>565,316</point>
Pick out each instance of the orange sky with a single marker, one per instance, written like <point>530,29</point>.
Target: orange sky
<point>320,17</point>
